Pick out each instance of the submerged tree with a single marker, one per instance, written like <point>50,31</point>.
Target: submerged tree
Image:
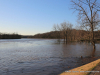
<point>66,28</point>
<point>88,15</point>
<point>58,32</point>
<point>64,31</point>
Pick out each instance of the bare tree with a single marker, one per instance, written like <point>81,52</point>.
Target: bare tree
<point>66,29</point>
<point>88,15</point>
<point>58,30</point>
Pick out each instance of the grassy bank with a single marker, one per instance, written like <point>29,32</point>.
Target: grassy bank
<point>82,70</point>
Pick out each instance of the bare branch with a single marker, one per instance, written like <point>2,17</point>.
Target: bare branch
<point>82,9</point>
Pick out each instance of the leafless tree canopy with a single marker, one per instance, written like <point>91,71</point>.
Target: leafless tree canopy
<point>64,29</point>
<point>88,13</point>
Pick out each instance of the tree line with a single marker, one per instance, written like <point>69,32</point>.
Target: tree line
<point>69,34</point>
<point>10,36</point>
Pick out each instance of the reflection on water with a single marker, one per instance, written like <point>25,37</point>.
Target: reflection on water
<point>18,55</point>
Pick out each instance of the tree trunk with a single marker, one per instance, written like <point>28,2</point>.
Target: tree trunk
<point>92,30</point>
<point>92,40</point>
<point>93,53</point>
<point>66,37</point>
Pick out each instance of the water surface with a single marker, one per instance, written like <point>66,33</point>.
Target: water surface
<point>40,56</point>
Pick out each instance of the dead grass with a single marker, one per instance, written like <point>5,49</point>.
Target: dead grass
<point>85,68</point>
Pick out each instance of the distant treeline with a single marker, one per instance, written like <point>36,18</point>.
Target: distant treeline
<point>51,35</point>
<point>75,35</point>
<point>26,36</point>
<point>9,36</point>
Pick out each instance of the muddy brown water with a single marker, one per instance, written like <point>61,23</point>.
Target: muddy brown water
<point>43,56</point>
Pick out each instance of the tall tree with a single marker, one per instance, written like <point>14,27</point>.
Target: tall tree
<point>88,15</point>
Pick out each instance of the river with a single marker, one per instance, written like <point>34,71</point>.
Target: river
<point>41,56</point>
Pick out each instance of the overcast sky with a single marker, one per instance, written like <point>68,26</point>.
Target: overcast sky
<point>29,17</point>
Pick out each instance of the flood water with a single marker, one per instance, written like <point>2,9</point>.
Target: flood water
<point>41,56</point>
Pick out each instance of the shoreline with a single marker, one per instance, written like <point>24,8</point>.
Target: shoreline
<point>82,70</point>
